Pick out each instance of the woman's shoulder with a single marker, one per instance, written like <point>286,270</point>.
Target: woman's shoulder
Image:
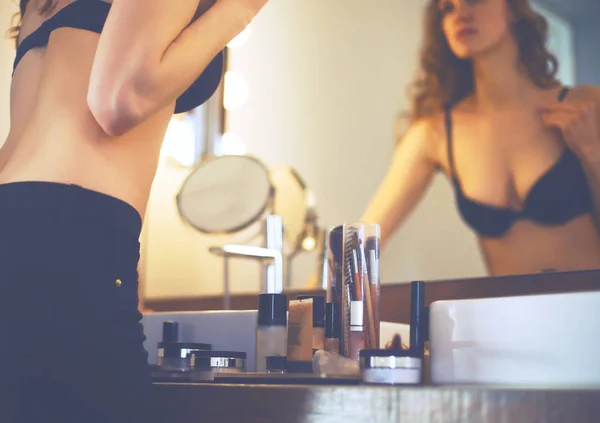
<point>427,132</point>
<point>429,128</point>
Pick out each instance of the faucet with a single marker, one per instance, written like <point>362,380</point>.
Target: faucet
<point>271,256</point>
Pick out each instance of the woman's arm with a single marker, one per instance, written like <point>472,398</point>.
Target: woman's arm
<point>408,176</point>
<point>149,54</point>
<point>407,179</point>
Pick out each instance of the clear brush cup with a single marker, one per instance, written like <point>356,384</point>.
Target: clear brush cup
<point>360,302</point>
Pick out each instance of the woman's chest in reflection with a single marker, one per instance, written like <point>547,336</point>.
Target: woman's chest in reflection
<point>497,160</point>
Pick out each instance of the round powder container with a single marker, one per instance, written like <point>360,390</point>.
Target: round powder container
<point>175,356</point>
<point>205,364</point>
<point>387,367</point>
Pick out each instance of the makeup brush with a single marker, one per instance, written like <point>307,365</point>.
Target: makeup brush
<point>348,287</point>
<point>372,333</point>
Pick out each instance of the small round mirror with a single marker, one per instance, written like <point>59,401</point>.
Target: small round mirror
<point>225,194</point>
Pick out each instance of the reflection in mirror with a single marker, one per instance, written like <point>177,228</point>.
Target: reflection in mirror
<point>325,96</point>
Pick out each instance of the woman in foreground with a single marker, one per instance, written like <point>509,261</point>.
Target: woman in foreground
<point>522,151</point>
<point>93,90</point>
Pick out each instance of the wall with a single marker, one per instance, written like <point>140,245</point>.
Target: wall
<point>587,35</point>
<point>7,56</point>
<point>574,36</point>
<point>561,41</point>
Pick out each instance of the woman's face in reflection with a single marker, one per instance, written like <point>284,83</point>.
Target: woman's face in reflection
<point>473,27</point>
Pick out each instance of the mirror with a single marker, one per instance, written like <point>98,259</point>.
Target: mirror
<point>326,105</point>
<point>224,195</point>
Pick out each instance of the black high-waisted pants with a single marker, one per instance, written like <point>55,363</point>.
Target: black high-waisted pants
<point>71,340</point>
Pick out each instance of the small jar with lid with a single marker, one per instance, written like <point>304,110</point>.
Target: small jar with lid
<point>205,364</point>
<point>172,355</point>
<point>390,367</point>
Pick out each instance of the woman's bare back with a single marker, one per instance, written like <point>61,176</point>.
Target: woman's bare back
<point>53,134</point>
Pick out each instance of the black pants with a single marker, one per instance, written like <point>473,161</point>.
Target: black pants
<point>71,341</point>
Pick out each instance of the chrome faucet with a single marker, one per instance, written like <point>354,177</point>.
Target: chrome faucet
<point>270,256</point>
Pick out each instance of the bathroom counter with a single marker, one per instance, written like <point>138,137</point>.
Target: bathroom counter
<point>207,403</point>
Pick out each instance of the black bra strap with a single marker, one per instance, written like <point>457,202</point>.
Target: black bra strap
<point>563,93</point>
<point>448,122</point>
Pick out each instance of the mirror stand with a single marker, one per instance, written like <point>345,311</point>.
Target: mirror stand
<point>270,256</point>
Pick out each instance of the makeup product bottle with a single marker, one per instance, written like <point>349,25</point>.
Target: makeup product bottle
<point>299,341</point>
<point>318,321</point>
<point>332,328</point>
<point>271,331</point>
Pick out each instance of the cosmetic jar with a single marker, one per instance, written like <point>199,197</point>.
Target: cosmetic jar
<point>387,367</point>
<point>175,356</point>
<point>276,364</point>
<point>205,364</point>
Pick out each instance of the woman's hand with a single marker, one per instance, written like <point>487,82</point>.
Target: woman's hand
<point>578,123</point>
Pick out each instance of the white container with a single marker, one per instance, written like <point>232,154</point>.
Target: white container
<point>530,340</point>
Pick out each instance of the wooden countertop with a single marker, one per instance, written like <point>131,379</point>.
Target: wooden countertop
<point>217,403</point>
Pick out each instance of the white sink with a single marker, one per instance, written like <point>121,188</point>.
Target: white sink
<point>531,340</point>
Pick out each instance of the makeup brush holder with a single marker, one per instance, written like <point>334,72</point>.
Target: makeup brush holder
<point>360,288</point>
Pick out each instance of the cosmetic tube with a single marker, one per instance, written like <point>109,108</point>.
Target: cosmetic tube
<point>332,328</point>
<point>271,330</point>
<point>335,263</point>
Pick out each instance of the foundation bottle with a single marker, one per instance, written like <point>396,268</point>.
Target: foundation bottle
<point>271,330</point>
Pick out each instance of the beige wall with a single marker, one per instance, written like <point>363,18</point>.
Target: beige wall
<point>7,56</point>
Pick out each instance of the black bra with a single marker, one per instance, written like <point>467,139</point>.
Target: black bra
<point>562,193</point>
<point>90,15</point>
